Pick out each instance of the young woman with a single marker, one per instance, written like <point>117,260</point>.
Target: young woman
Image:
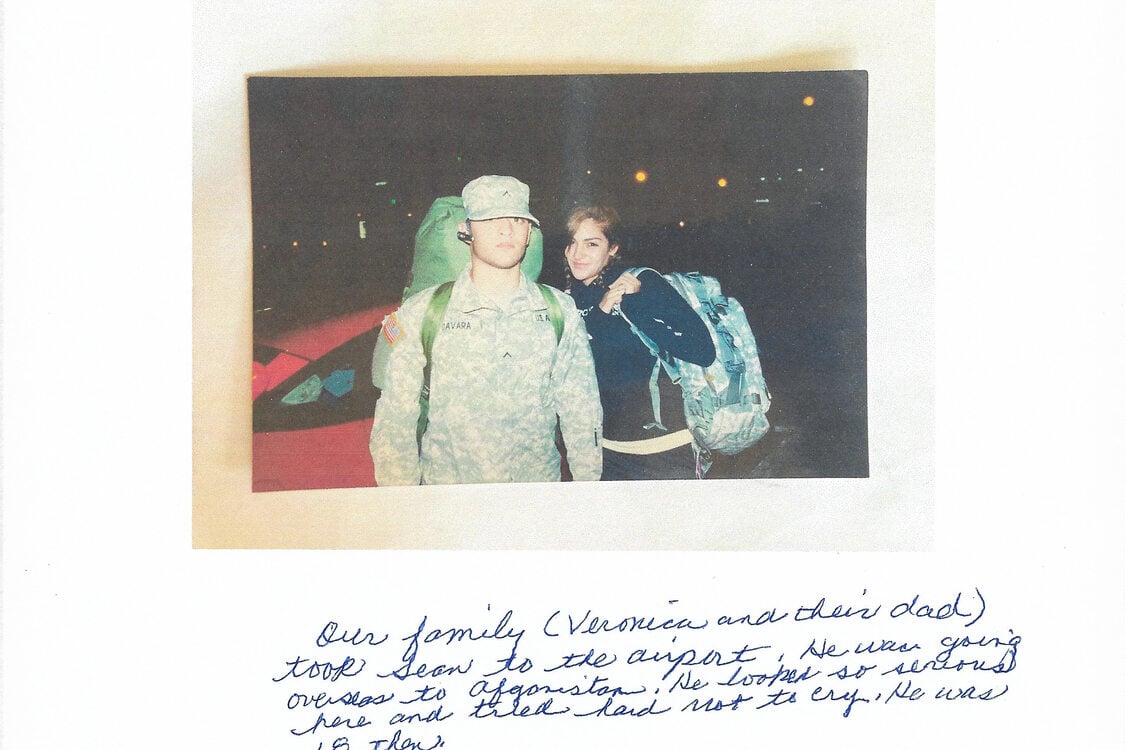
<point>608,298</point>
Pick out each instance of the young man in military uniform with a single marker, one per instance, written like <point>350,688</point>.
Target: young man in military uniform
<point>501,376</point>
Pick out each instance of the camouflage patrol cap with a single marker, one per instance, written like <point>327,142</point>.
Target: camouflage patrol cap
<point>494,197</point>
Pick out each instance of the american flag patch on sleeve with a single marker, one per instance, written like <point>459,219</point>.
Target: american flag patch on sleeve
<point>391,330</point>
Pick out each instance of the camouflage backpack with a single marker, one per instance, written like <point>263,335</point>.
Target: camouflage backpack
<point>725,403</point>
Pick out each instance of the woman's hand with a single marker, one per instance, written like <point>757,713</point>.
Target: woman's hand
<point>626,283</point>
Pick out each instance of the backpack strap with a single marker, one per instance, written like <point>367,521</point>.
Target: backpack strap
<point>654,378</point>
<point>434,314</point>
<point>431,321</point>
<point>555,310</point>
<point>654,396</point>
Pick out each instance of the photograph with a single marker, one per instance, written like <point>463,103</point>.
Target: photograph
<point>698,241</point>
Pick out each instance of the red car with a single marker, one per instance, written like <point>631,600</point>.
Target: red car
<point>313,404</point>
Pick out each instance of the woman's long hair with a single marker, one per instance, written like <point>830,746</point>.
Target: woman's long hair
<point>608,220</point>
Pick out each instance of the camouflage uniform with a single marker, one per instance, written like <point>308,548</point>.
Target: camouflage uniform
<point>497,382</point>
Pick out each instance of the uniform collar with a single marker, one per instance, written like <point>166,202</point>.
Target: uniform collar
<point>467,298</point>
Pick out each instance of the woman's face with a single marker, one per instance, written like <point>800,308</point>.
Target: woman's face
<point>589,252</point>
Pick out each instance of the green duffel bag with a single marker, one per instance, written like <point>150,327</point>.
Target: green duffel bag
<point>439,256</point>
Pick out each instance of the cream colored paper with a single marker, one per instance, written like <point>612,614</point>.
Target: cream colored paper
<point>121,629</point>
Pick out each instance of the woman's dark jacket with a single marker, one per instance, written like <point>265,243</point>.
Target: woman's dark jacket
<point>623,363</point>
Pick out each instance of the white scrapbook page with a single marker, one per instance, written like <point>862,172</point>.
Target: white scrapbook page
<point>211,217</point>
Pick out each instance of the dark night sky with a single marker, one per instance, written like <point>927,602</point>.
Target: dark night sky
<point>319,146</point>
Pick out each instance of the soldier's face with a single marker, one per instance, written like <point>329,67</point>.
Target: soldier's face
<point>500,243</point>
<point>589,252</point>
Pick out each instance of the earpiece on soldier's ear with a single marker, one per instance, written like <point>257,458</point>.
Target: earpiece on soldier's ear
<point>464,236</point>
